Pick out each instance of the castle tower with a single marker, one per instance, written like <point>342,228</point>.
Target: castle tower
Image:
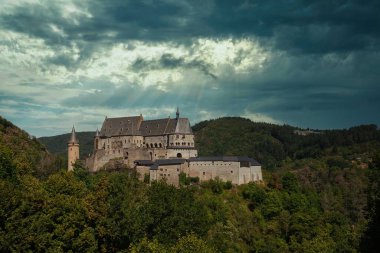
<point>96,142</point>
<point>72,150</point>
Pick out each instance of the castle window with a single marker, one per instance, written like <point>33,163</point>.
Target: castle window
<point>177,136</point>
<point>155,145</point>
<point>177,169</point>
<point>160,145</point>
<point>183,136</point>
<point>168,175</point>
<point>204,173</point>
<point>232,172</point>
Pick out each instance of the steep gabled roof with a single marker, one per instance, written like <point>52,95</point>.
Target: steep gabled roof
<point>165,126</point>
<point>137,126</point>
<point>121,126</point>
<point>154,127</point>
<point>73,137</point>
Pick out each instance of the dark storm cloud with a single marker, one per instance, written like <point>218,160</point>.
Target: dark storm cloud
<point>303,26</point>
<point>168,61</point>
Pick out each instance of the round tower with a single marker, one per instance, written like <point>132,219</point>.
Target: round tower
<point>72,150</point>
<point>96,142</point>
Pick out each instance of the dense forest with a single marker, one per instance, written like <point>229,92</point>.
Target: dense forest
<point>321,193</point>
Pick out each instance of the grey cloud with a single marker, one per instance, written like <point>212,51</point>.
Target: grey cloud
<point>324,70</point>
<point>168,61</point>
<point>313,26</point>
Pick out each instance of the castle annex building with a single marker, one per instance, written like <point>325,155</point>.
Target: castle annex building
<point>162,149</point>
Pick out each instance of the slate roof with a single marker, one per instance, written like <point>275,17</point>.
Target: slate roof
<point>121,126</point>
<point>166,162</point>
<point>73,137</point>
<point>252,161</point>
<point>154,127</point>
<point>137,126</point>
<point>144,162</point>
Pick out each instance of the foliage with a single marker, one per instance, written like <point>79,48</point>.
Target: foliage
<point>321,194</point>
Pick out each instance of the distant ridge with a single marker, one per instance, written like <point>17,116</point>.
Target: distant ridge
<point>269,143</point>
<point>58,144</point>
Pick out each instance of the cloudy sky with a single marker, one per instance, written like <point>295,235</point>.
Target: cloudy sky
<point>306,63</point>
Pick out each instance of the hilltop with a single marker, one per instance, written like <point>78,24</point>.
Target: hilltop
<point>58,144</point>
<point>321,194</point>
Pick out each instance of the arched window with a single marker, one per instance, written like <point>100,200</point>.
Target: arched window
<point>151,145</point>
<point>155,145</point>
<point>160,145</point>
<point>179,155</point>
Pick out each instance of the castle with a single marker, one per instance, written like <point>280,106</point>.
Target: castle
<point>161,149</point>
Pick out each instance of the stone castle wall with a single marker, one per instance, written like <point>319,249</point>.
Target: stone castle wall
<point>73,155</point>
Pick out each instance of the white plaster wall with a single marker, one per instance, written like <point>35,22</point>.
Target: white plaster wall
<point>256,173</point>
<point>207,170</point>
<point>244,175</point>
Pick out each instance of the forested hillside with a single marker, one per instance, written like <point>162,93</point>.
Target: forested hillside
<point>23,154</point>
<point>58,144</point>
<point>272,144</point>
<point>320,193</point>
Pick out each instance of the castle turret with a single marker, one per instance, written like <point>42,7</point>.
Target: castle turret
<point>72,150</point>
<point>96,142</point>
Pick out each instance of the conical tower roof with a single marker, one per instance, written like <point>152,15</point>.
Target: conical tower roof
<point>97,133</point>
<point>73,138</point>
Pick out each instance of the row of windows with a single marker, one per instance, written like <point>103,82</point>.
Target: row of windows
<point>154,145</point>
<point>212,164</point>
<point>181,143</point>
<point>161,169</point>
<point>204,173</point>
